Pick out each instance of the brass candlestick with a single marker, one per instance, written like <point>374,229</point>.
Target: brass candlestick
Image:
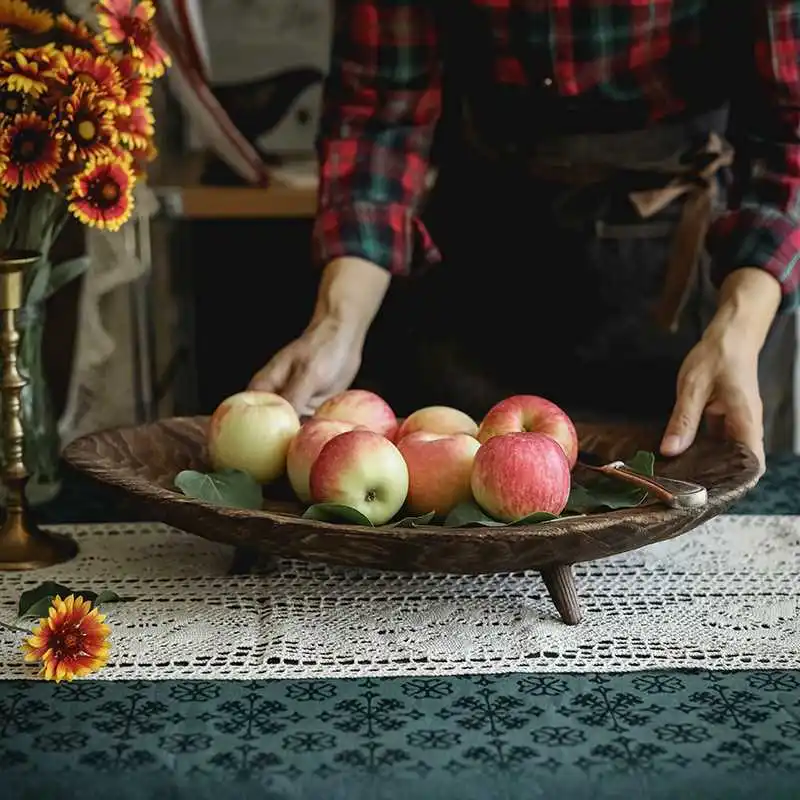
<point>23,546</point>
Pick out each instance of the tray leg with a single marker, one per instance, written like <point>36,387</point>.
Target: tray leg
<point>560,583</point>
<point>244,559</point>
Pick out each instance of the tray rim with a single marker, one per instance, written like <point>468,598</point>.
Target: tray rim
<point>76,454</point>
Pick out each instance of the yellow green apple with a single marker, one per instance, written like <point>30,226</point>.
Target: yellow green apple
<point>251,431</point>
<point>437,419</point>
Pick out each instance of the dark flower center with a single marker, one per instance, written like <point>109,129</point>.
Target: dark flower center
<point>12,102</point>
<point>68,642</point>
<point>28,146</point>
<point>137,30</point>
<point>104,192</point>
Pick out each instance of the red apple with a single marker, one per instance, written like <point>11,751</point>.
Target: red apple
<point>360,407</point>
<point>304,449</point>
<point>518,474</point>
<point>526,413</point>
<point>251,431</point>
<point>363,470</point>
<point>439,469</point>
<point>437,419</point>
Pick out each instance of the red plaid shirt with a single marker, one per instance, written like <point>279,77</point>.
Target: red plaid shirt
<point>633,62</point>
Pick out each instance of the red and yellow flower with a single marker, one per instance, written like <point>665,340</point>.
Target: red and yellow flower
<point>130,25</point>
<point>30,71</point>
<point>136,129</point>
<point>102,194</point>
<point>32,154</point>
<point>95,70</point>
<point>79,34</point>
<point>137,88</point>
<point>18,15</point>
<point>12,103</point>
<point>71,642</point>
<point>5,40</point>
<point>84,125</point>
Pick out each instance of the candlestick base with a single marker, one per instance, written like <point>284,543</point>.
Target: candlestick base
<point>24,546</point>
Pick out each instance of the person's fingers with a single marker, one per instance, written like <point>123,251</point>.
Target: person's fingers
<point>273,376</point>
<point>744,423</point>
<point>303,384</point>
<point>694,388</point>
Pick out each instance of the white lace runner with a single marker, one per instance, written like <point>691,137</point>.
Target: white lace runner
<point>725,597</point>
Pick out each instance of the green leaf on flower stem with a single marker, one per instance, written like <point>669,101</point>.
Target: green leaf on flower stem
<point>414,522</point>
<point>611,494</point>
<point>335,512</point>
<point>109,597</point>
<point>230,488</point>
<point>66,272</point>
<point>36,602</point>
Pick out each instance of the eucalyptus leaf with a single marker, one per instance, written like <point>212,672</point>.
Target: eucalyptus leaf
<point>470,515</point>
<point>334,512</point>
<point>607,493</point>
<point>414,522</point>
<point>30,601</point>
<point>229,488</point>
<point>66,272</point>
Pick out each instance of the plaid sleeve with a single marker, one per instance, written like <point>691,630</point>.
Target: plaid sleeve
<point>763,227</point>
<point>381,103</point>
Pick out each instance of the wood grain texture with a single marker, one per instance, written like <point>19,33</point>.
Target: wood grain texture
<point>143,461</point>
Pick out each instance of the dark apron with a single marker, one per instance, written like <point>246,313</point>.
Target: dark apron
<point>576,271</point>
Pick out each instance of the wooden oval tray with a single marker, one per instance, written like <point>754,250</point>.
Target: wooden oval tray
<point>143,461</point>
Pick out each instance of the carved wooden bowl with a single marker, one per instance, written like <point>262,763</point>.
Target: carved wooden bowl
<point>143,461</point>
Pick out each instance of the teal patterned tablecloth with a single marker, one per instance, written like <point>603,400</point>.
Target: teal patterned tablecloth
<point>643,735</point>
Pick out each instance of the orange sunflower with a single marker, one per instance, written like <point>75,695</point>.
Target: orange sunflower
<point>96,70</point>
<point>124,22</point>
<point>29,70</point>
<point>137,88</point>
<point>18,15</point>
<point>71,642</point>
<point>79,34</point>
<point>5,40</point>
<point>84,125</point>
<point>33,154</point>
<point>102,193</point>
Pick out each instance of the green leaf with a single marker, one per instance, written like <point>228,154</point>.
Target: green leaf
<point>470,515</point>
<point>414,522</point>
<point>37,290</point>
<point>606,493</point>
<point>108,597</point>
<point>65,273</point>
<point>334,512</point>
<point>535,518</point>
<point>30,602</point>
<point>230,488</point>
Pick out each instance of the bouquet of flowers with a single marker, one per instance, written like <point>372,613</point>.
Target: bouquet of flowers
<point>76,127</point>
<point>76,132</point>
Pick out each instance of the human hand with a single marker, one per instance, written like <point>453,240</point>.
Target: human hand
<point>324,360</point>
<point>719,378</point>
<point>320,363</point>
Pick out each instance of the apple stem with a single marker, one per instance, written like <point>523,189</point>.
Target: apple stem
<point>560,583</point>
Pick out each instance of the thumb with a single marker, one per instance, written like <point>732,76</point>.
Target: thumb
<point>274,376</point>
<point>693,394</point>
